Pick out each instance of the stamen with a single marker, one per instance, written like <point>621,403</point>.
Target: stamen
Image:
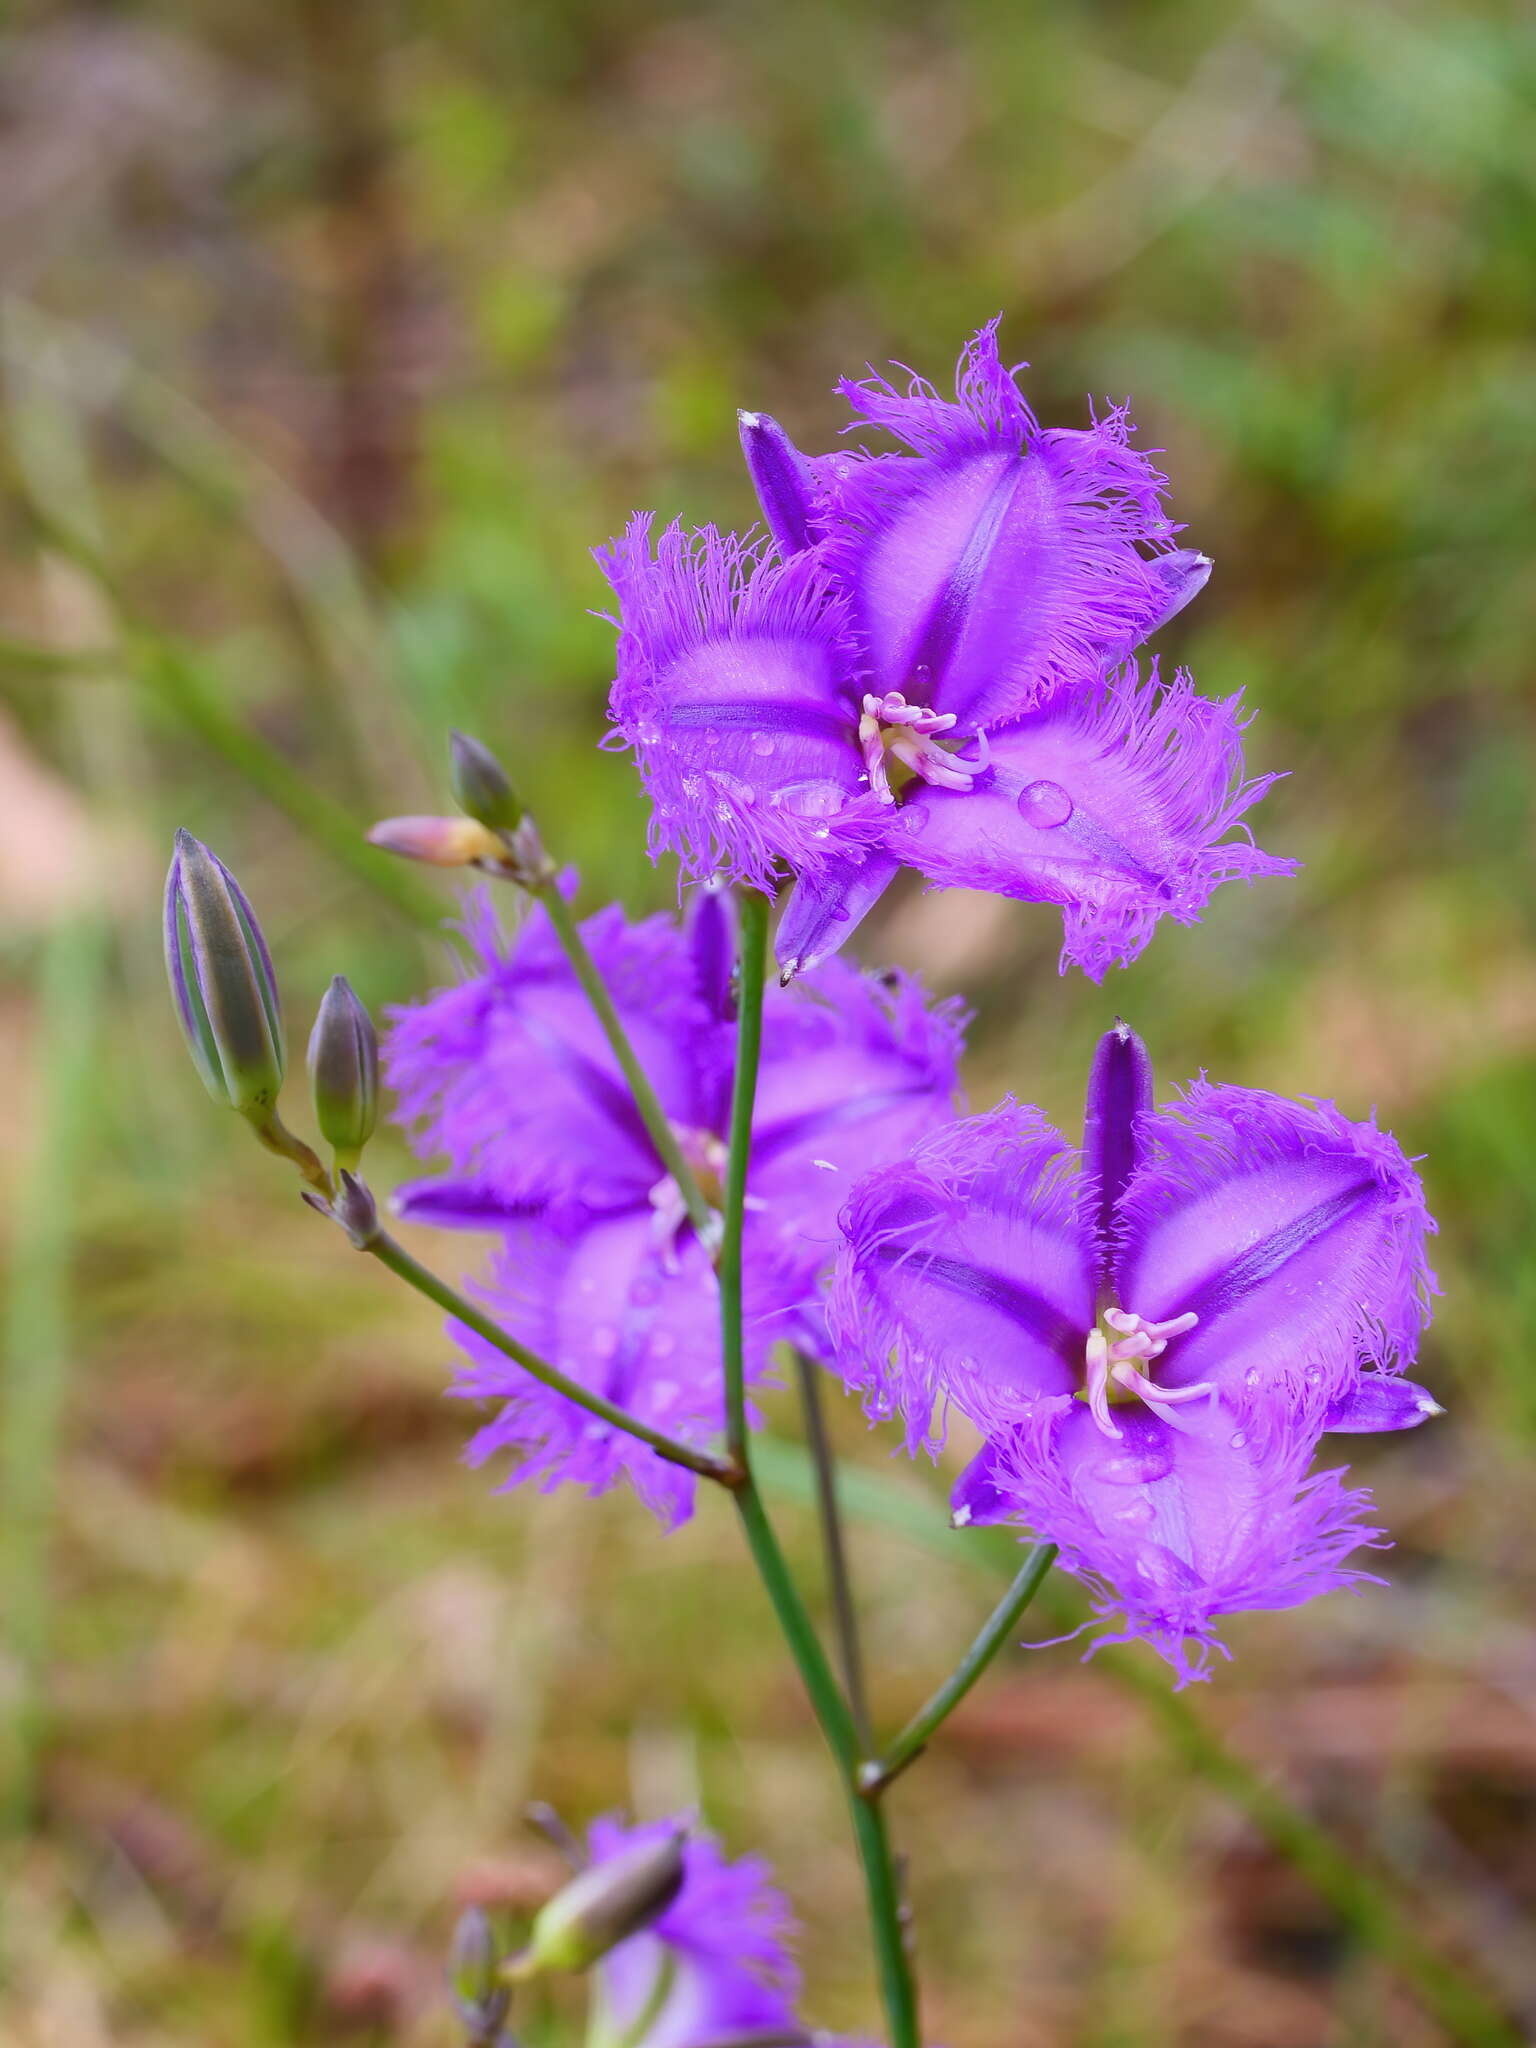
<point>917,747</point>
<point>1137,1343</point>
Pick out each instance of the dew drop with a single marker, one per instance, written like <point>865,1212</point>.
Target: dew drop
<point>647,733</point>
<point>1045,804</point>
<point>762,743</point>
<point>1252,1376</point>
<point>839,913</point>
<point>1140,1512</point>
<point>1134,1468</point>
<point>1238,1439</point>
<point>821,799</point>
<point>922,678</point>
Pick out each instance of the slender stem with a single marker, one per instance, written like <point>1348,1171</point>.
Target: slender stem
<point>845,1619</point>
<point>749,1046</point>
<point>999,1625</point>
<point>400,1262</point>
<point>882,1888</point>
<point>654,1117</point>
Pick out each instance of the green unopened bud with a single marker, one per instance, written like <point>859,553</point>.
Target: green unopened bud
<point>605,1905</point>
<point>344,1072</point>
<point>480,785</point>
<point>222,981</point>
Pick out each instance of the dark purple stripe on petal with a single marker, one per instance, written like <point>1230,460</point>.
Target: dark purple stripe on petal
<point>762,715</point>
<point>1227,1289</point>
<point>946,622</point>
<point>1011,1298</point>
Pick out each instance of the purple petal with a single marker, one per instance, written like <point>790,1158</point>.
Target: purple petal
<point>783,479</point>
<point>1297,1237</point>
<point>735,689</point>
<point>1116,808</point>
<point>613,1309</point>
<point>1003,560</point>
<point>510,1076</point>
<point>451,1204</point>
<point>980,1495</point>
<point>826,906</point>
<point>856,1068</point>
<point>1380,1401</point>
<point>1119,1094</point>
<point>963,1275</point>
<point>1174,1527</point>
<point>725,1939</point>
<point>1180,577</point>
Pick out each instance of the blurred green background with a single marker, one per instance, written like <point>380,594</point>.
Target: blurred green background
<point>335,332</point>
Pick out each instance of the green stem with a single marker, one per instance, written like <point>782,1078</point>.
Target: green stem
<point>749,1045</point>
<point>882,1887</point>
<point>654,1117</point>
<point>1361,1895</point>
<point>845,1620</point>
<point>995,1631</point>
<point>399,1261</point>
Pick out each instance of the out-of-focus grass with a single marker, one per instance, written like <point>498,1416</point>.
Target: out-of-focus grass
<point>353,328</point>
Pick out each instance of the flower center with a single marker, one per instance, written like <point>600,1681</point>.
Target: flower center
<point>1114,1360</point>
<point>707,1155</point>
<point>891,729</point>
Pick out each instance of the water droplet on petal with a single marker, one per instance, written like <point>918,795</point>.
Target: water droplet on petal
<point>647,732</point>
<point>1139,1512</point>
<point>763,743</point>
<point>1238,1439</point>
<point>811,799</point>
<point>922,678</point>
<point>1045,804</point>
<point>839,913</point>
<point>1134,1468</point>
<point>1252,1376</point>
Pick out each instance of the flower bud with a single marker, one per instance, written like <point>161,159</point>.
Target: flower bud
<point>344,1072</point>
<point>480,785</point>
<point>440,842</point>
<point>474,1958</point>
<point>605,1905</point>
<point>222,981</point>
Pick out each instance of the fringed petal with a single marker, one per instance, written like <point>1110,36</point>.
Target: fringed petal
<point>725,1942</point>
<point>1172,1528</point>
<point>635,1320</point>
<point>1296,1235</point>
<point>736,688</point>
<point>510,1076</point>
<point>1117,808</point>
<point>999,562</point>
<point>964,1275</point>
<point>857,1068</point>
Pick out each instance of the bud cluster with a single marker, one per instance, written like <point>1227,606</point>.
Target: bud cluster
<point>495,833</point>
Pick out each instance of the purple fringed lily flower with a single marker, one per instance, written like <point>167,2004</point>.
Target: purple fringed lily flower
<point>1153,1332</point>
<point>715,1967</point>
<point>930,671</point>
<point>599,1269</point>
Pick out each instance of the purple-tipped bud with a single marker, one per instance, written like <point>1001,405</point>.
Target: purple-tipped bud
<point>782,478</point>
<point>222,981</point>
<point>440,842</point>
<point>1119,1091</point>
<point>344,1072</point>
<point>480,785</point>
<point>474,1961</point>
<point>604,1905</point>
<point>1183,574</point>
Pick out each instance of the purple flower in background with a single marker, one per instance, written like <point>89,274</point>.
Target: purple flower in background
<point>1153,1332</point>
<point>599,1268</point>
<point>715,1967</point>
<point>928,669</point>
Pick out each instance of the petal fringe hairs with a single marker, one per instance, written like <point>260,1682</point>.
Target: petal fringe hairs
<point>928,661</point>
